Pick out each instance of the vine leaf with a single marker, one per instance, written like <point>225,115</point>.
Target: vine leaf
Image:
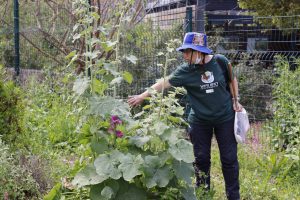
<point>184,171</point>
<point>127,77</point>
<point>107,165</point>
<point>182,151</point>
<point>88,176</point>
<point>130,191</point>
<point>159,127</point>
<point>108,105</point>
<point>155,174</point>
<point>171,135</point>
<point>80,85</point>
<point>189,193</point>
<point>130,166</point>
<point>99,146</point>
<point>158,177</point>
<point>104,191</point>
<point>139,141</point>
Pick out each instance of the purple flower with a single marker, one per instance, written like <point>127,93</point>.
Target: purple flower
<point>115,120</point>
<point>119,134</point>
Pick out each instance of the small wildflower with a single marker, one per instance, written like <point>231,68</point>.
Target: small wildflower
<point>119,134</point>
<point>115,120</point>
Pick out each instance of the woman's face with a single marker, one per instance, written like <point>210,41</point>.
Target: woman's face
<point>187,53</point>
<point>190,56</point>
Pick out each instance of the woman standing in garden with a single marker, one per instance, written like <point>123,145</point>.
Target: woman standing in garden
<point>212,109</point>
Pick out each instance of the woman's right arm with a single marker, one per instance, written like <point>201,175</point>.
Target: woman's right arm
<point>136,100</point>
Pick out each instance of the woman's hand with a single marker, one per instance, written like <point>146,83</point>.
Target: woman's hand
<point>237,107</point>
<point>135,100</point>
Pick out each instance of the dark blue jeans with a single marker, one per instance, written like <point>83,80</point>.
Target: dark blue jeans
<point>201,136</point>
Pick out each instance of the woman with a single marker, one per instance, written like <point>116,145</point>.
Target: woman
<point>212,109</point>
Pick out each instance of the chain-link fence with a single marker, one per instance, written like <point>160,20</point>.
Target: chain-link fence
<point>251,43</point>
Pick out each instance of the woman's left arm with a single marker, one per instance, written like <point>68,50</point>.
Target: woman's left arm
<point>235,100</point>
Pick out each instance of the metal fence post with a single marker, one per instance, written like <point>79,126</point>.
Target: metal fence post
<point>200,10</point>
<point>189,19</point>
<point>16,38</point>
<point>89,73</point>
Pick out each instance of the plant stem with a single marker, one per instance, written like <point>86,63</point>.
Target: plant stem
<point>163,87</point>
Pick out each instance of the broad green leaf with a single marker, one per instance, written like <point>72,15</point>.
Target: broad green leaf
<point>155,173</point>
<point>107,166</point>
<point>107,192</point>
<point>189,193</point>
<point>127,77</point>
<point>99,146</point>
<point>132,59</point>
<point>116,80</point>
<point>71,54</point>
<point>88,176</point>
<point>159,127</point>
<point>111,68</point>
<point>184,171</point>
<point>108,105</point>
<point>98,86</point>
<point>130,192</point>
<point>139,141</point>
<point>157,177</point>
<point>106,189</point>
<point>130,166</point>
<point>156,161</point>
<point>171,135</point>
<point>182,151</point>
<point>80,85</point>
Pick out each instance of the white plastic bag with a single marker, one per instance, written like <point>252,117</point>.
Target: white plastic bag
<point>241,126</point>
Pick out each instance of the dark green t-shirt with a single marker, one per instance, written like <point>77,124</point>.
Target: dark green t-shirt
<point>207,91</point>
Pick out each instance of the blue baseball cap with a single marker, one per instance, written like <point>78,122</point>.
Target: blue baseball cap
<point>195,41</point>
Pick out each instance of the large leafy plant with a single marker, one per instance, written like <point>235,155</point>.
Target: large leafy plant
<point>145,157</point>
<point>140,158</point>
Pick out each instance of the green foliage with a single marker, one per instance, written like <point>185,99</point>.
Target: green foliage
<point>267,178</point>
<point>11,109</point>
<point>273,8</point>
<point>50,116</point>
<point>147,156</point>
<point>286,128</point>
<point>258,94</point>
<point>16,181</point>
<point>276,166</point>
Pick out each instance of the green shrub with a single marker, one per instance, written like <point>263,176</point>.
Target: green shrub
<point>16,182</point>
<point>286,127</point>
<point>11,109</point>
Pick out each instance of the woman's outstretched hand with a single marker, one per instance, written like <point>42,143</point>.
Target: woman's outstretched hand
<point>135,100</point>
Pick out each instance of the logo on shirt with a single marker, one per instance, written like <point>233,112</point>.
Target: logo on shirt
<point>207,77</point>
